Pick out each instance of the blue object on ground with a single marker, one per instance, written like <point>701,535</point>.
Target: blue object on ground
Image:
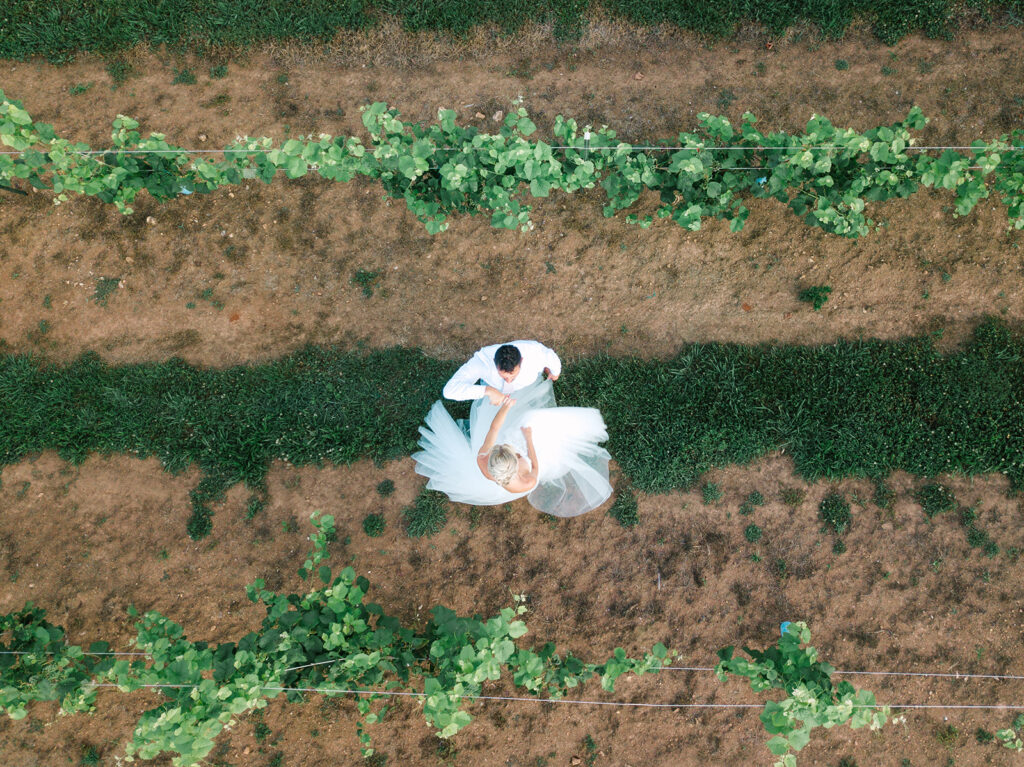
<point>783,626</point>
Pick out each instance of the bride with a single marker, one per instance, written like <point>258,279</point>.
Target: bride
<point>523,447</point>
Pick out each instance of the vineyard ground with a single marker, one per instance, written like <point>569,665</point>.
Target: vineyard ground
<point>256,272</point>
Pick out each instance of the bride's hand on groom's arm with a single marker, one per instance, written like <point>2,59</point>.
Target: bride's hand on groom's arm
<point>494,395</point>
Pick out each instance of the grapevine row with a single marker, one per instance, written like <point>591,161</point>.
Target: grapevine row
<point>331,640</point>
<point>826,175</point>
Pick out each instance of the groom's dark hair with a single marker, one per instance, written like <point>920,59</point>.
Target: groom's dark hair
<point>507,358</point>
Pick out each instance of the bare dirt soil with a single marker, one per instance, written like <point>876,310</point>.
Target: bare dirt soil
<point>255,272</point>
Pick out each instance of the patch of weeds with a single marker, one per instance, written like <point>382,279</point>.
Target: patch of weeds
<point>753,533</point>
<point>835,512</point>
<point>550,267</point>
<point>523,69</point>
<point>710,493</point>
<point>289,525</point>
<point>753,499</point>
<point>257,502</point>
<point>373,525</point>
<point>104,287</point>
<point>445,749</point>
<point>427,514</point>
<point>589,751</point>
<point>79,88</point>
<point>119,72</point>
<point>217,101</point>
<point>725,98</point>
<point>839,547</point>
<point>760,68</point>
<point>976,537</point>
<point>624,509</point>
<point>792,496</point>
<point>163,554</point>
<point>207,295</point>
<point>385,488</point>
<point>90,756</point>
<point>282,79</point>
<point>47,301</point>
<point>366,280</point>
<point>935,498</point>
<point>219,72</point>
<point>276,760</point>
<point>261,731</point>
<point>781,568</point>
<point>330,707</point>
<point>376,759</point>
<point>184,77</point>
<point>841,64</point>
<point>846,761</point>
<point>816,295</point>
<point>883,496</point>
<point>947,735</point>
<point>888,71</point>
<point>983,736</point>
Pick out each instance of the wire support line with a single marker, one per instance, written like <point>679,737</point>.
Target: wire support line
<point>633,149</point>
<point>583,702</point>
<point>700,669</point>
<point>938,675</point>
<point>942,676</point>
<point>54,652</point>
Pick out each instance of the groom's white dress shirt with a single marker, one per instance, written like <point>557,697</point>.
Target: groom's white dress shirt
<point>465,383</point>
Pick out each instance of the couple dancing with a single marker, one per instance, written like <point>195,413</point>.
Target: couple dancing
<point>516,442</point>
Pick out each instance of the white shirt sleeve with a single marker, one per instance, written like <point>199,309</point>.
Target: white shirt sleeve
<point>463,385</point>
<point>552,362</point>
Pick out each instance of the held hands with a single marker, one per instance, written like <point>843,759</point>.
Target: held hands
<point>548,373</point>
<point>494,396</point>
<point>527,432</point>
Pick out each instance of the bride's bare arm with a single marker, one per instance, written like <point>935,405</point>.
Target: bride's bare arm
<point>492,436</point>
<point>531,453</point>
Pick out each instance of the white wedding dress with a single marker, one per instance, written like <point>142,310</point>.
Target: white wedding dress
<point>573,468</point>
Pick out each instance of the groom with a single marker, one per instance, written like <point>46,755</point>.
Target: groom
<point>503,368</point>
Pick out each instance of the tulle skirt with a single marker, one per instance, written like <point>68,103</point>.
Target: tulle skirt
<point>572,467</point>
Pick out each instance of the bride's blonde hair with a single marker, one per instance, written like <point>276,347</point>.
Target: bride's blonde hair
<point>503,464</point>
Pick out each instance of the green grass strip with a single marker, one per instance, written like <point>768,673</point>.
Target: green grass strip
<point>58,29</point>
<point>853,408</point>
